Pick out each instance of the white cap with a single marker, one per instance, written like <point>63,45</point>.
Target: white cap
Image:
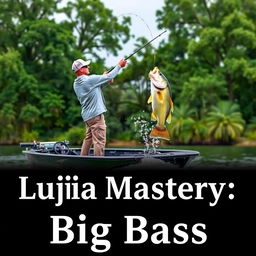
<point>77,64</point>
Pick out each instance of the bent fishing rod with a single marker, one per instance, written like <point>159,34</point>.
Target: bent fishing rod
<point>143,46</point>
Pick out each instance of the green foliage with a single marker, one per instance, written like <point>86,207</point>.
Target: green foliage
<point>225,122</point>
<point>181,127</point>
<point>251,129</point>
<point>36,79</point>
<point>30,136</point>
<point>18,96</point>
<point>113,126</point>
<point>51,107</point>
<point>74,135</point>
<point>7,117</point>
<point>203,91</point>
<point>251,135</point>
<point>98,28</point>
<point>73,113</point>
<point>252,125</point>
<point>211,40</point>
<point>15,13</point>
<point>208,57</point>
<point>125,136</point>
<point>29,113</point>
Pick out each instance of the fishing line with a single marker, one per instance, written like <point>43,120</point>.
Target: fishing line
<point>145,23</point>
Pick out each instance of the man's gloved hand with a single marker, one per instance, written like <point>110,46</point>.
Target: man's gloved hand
<point>122,63</point>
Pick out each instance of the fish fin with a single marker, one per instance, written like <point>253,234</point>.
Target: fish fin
<point>150,99</point>
<point>161,134</point>
<point>153,116</point>
<point>169,117</point>
<point>171,104</point>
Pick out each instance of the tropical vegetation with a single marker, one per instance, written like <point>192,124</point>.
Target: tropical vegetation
<point>209,59</point>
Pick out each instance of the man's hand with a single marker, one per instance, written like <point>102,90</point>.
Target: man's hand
<point>122,63</point>
<point>110,81</point>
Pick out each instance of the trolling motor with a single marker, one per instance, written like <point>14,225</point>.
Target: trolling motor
<point>58,147</point>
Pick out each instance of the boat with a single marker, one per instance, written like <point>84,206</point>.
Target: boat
<point>59,155</point>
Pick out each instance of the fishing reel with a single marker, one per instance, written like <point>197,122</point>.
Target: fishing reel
<point>58,147</point>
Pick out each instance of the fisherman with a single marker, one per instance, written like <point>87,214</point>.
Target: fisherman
<point>88,89</point>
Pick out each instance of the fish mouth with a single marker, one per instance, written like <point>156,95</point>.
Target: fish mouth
<point>158,88</point>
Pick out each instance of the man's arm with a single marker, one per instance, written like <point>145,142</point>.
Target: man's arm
<point>100,80</point>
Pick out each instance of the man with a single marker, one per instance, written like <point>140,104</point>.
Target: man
<point>88,90</point>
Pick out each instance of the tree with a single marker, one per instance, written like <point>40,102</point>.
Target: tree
<point>7,117</point>
<point>95,27</point>
<point>203,92</point>
<point>18,94</point>
<point>14,13</point>
<point>181,127</point>
<point>51,107</point>
<point>29,114</point>
<point>225,122</point>
<point>214,36</point>
<point>36,78</point>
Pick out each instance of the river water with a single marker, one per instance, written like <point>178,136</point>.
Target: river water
<point>210,156</point>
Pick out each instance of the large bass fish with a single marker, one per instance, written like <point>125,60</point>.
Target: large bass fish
<point>162,105</point>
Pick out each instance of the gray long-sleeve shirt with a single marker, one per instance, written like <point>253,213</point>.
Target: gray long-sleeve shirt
<point>88,89</point>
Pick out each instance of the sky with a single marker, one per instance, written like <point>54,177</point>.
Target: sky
<point>143,17</point>
<point>142,13</point>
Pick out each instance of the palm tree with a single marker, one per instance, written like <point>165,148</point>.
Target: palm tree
<point>225,122</point>
<point>181,127</point>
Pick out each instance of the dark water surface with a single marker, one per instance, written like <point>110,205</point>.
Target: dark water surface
<point>27,224</point>
<point>210,156</point>
<point>224,156</point>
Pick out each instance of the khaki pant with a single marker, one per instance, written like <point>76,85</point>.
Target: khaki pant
<point>96,135</point>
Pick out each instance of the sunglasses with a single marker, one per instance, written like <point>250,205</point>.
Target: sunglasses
<point>86,67</point>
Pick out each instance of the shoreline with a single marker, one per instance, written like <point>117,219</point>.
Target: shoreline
<point>119,143</point>
<point>246,144</point>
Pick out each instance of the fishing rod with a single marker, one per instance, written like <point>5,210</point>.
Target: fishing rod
<point>143,46</point>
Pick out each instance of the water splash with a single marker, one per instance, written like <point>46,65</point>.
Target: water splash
<point>144,127</point>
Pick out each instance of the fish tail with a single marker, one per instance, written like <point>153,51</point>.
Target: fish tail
<point>162,134</point>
